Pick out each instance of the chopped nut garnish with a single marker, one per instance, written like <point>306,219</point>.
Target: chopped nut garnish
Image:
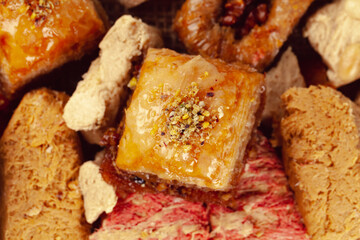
<point>187,148</point>
<point>205,124</point>
<point>221,112</point>
<point>210,94</point>
<point>206,74</point>
<point>186,119</point>
<point>132,83</point>
<point>33,16</point>
<point>38,10</point>
<point>154,130</point>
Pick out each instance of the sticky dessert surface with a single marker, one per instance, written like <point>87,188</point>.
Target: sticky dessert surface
<point>37,35</point>
<point>190,119</point>
<point>321,152</point>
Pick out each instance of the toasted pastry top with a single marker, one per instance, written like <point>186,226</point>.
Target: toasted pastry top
<point>37,36</point>
<point>190,119</point>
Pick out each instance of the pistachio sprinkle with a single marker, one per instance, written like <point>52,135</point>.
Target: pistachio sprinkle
<point>38,9</point>
<point>186,119</point>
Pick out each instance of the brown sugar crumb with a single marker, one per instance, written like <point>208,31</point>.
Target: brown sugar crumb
<point>186,119</point>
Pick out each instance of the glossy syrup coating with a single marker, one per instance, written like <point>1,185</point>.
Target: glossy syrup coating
<point>39,35</point>
<point>199,29</point>
<point>190,119</point>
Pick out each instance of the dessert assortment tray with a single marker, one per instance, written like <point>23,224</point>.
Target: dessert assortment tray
<point>161,14</point>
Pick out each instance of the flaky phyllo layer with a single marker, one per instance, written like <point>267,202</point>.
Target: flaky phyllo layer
<point>190,120</point>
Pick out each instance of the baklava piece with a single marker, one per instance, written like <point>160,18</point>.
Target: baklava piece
<point>189,121</point>
<point>334,32</point>
<point>321,152</point>
<point>250,31</point>
<point>94,105</point>
<point>39,35</point>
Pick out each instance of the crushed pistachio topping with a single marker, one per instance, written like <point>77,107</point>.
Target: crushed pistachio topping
<point>132,83</point>
<point>38,9</point>
<point>186,119</point>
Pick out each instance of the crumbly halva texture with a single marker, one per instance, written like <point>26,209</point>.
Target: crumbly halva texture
<point>320,132</point>
<point>334,32</point>
<point>98,196</point>
<point>95,103</point>
<point>38,36</point>
<point>286,74</point>
<point>41,157</point>
<point>190,120</point>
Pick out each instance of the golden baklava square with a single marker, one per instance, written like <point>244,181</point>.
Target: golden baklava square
<point>37,36</point>
<point>190,120</point>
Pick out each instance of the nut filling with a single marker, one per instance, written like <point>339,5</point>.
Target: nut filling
<point>244,15</point>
